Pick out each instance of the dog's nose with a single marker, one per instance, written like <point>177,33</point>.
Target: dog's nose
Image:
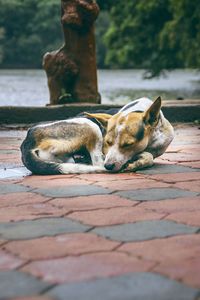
<point>109,167</point>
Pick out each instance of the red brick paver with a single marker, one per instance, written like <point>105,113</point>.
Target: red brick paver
<point>118,215</point>
<point>73,255</point>
<point>13,200</point>
<point>60,246</point>
<point>9,262</point>
<point>91,202</point>
<point>85,267</point>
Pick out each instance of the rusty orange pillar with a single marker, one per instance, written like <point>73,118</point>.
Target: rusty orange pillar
<point>71,70</point>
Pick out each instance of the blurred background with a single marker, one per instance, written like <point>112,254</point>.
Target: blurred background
<point>144,48</point>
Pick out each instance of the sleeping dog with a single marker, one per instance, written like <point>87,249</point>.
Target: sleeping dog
<point>134,136</point>
<point>137,134</point>
<point>54,148</point>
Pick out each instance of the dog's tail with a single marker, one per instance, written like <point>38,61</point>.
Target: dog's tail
<point>38,166</point>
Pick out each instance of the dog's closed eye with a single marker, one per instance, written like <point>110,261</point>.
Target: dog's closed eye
<point>127,144</point>
<point>109,142</point>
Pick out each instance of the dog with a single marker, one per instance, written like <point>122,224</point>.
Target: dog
<point>136,135</point>
<point>56,147</point>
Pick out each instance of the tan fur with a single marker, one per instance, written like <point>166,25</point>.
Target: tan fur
<point>131,136</point>
<point>62,146</point>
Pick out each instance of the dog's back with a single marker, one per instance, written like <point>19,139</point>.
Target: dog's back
<point>49,148</point>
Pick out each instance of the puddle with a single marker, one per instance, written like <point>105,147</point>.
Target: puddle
<point>14,173</point>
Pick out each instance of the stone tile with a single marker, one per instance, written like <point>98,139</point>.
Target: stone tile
<point>173,205</point>
<point>15,156</point>
<point>8,188</point>
<point>86,267</point>
<point>191,164</point>
<point>191,218</point>
<point>144,230</point>
<point>169,249</point>
<point>117,215</point>
<point>30,212</point>
<point>17,284</point>
<point>132,184</point>
<point>193,186</point>
<point>59,246</point>
<point>110,176</point>
<point>188,271</point>
<point>133,286</point>
<point>92,202</point>
<point>38,228</point>
<point>56,181</point>
<point>11,200</point>
<point>33,298</point>
<point>154,194</point>
<point>167,168</point>
<point>73,191</point>
<point>181,157</point>
<point>173,178</point>
<point>8,261</point>
<point>2,242</point>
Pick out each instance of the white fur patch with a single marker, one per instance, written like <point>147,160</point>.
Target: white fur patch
<point>143,104</point>
<point>80,169</point>
<point>77,121</point>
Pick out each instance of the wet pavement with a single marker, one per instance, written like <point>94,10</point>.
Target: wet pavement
<point>102,236</point>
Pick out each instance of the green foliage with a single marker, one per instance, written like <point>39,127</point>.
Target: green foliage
<point>149,34</point>
<point>134,33</point>
<point>154,35</point>
<point>181,35</point>
<point>31,27</point>
<point>102,25</point>
<point>1,44</point>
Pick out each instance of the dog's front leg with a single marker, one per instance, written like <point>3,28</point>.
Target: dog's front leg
<point>97,157</point>
<point>144,160</point>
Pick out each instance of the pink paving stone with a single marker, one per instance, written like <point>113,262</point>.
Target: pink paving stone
<point>168,249</point>
<point>176,177</point>
<point>189,218</point>
<point>118,215</point>
<point>193,186</point>
<point>9,181</point>
<point>30,212</point>
<point>9,147</point>
<point>92,202</point>
<point>60,246</point>
<point>9,262</point>
<point>173,206</point>
<point>161,160</point>
<point>110,177</point>
<point>187,271</point>
<point>11,200</point>
<point>132,184</point>
<point>15,156</point>
<point>181,157</point>
<point>87,267</point>
<point>195,164</point>
<point>2,242</point>
<point>56,181</point>
<point>33,298</point>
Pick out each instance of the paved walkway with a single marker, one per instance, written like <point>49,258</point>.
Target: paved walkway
<point>104,236</point>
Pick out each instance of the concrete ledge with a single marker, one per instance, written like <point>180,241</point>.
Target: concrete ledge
<point>175,111</point>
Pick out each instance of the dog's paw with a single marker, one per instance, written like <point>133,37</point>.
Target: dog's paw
<point>131,167</point>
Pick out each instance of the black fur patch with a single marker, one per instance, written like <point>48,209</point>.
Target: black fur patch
<point>129,105</point>
<point>140,133</point>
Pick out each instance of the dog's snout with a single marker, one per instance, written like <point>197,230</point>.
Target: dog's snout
<point>109,167</point>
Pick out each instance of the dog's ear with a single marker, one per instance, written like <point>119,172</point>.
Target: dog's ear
<point>151,116</point>
<point>101,118</point>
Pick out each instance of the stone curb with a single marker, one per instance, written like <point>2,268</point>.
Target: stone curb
<point>175,111</point>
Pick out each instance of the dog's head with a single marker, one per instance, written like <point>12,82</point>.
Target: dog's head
<point>127,134</point>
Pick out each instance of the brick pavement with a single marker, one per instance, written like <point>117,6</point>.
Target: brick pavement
<point>102,236</point>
